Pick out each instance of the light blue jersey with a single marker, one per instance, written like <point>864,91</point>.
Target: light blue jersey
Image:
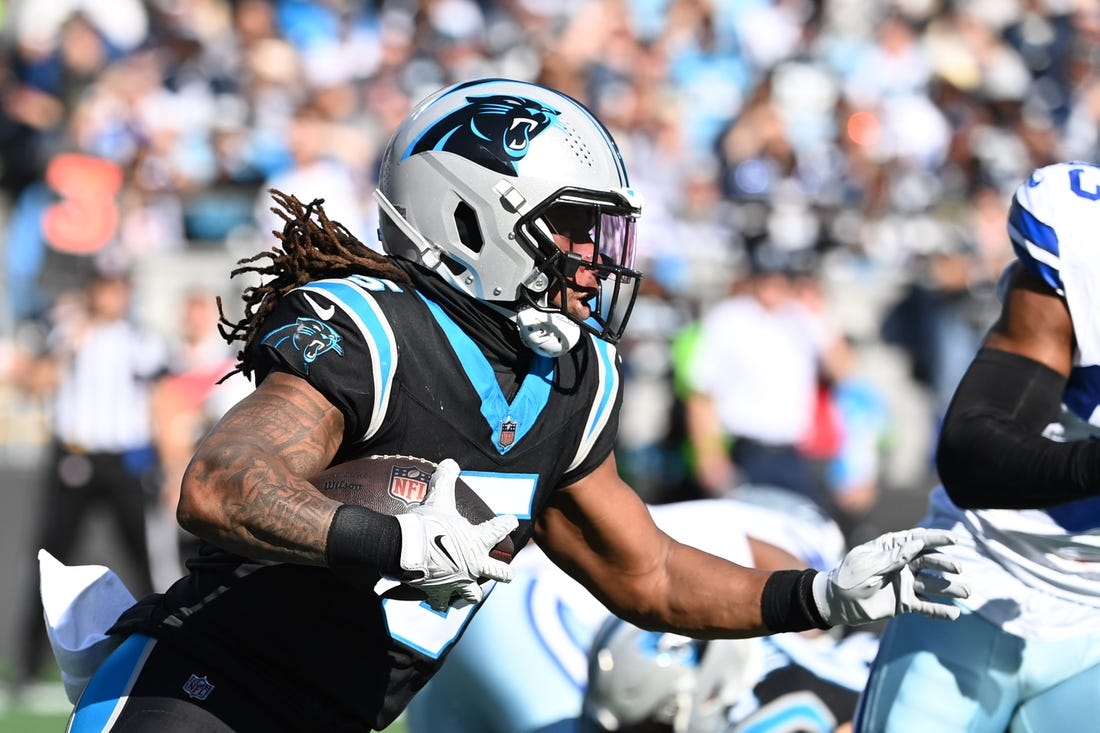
<point>521,666</point>
<point>1024,655</point>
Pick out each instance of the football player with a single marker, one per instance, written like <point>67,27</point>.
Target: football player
<point>1020,469</point>
<point>656,682</point>
<point>484,339</point>
<point>551,622</point>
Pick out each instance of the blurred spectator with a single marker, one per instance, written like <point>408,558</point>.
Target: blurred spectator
<point>754,378</point>
<point>186,402</point>
<point>950,301</point>
<point>650,450</point>
<point>98,372</point>
<point>55,225</point>
<point>856,416</point>
<point>848,435</point>
<point>315,169</point>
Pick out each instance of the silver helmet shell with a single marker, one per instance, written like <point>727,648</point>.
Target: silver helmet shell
<point>639,680</point>
<point>470,182</point>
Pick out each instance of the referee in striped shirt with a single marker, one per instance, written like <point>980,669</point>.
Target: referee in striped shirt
<point>98,372</point>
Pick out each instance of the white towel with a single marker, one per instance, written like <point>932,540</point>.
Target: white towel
<point>80,603</point>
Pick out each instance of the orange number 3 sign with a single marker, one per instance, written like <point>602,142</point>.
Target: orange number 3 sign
<point>86,217</point>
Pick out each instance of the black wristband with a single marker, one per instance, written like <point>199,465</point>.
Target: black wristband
<point>787,602</point>
<point>360,536</point>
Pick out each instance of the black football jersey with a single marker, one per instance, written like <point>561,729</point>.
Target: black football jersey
<point>408,381</point>
<point>795,698</point>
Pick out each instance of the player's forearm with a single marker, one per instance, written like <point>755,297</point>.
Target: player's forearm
<point>247,487</point>
<point>700,595</point>
<point>244,504</point>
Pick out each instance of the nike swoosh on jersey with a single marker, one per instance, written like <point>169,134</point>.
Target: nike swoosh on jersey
<point>323,313</point>
<point>439,543</point>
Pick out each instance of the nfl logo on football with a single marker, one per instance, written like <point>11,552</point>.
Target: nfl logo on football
<point>409,484</point>
<point>197,687</point>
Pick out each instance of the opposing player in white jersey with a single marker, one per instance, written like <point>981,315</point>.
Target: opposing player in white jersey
<point>1021,489</point>
<point>549,621</point>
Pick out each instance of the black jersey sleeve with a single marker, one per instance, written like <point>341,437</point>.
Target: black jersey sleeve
<point>601,415</point>
<point>793,692</point>
<point>333,335</point>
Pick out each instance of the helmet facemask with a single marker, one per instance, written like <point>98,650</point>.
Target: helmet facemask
<point>583,241</point>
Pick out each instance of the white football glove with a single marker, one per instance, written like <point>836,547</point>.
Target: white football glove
<point>442,553</point>
<point>888,576</point>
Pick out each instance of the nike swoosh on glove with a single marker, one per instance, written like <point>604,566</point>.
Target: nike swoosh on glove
<point>892,574</point>
<point>442,553</point>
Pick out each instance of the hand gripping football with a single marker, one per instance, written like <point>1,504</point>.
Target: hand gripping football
<point>391,485</point>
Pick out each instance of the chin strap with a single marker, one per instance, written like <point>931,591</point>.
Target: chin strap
<point>547,333</point>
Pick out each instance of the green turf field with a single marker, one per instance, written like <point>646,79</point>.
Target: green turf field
<point>19,722</point>
<point>40,709</point>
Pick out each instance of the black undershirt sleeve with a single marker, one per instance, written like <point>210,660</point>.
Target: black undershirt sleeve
<point>991,452</point>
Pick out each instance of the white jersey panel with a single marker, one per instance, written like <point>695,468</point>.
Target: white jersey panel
<point>1053,225</point>
<point>1046,580</point>
<point>1019,568</point>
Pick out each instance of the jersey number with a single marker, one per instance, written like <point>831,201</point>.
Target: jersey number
<point>1077,188</point>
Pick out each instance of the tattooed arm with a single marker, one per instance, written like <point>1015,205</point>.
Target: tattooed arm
<point>246,489</point>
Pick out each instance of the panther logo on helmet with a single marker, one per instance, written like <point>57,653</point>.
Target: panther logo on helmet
<point>493,130</point>
<point>476,217</point>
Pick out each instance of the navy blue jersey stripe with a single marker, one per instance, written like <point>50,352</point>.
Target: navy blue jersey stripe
<point>1028,234</point>
<point>1023,224</point>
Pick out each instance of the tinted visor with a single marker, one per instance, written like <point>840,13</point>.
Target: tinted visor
<point>587,241</point>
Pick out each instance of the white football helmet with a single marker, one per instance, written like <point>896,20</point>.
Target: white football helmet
<point>654,681</point>
<point>477,178</point>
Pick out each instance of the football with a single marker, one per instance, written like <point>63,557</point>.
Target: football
<point>393,484</point>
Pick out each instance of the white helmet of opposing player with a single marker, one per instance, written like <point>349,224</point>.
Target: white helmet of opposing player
<point>477,179</point>
<point>649,680</point>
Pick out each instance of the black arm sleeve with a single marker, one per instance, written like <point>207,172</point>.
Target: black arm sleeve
<point>991,452</point>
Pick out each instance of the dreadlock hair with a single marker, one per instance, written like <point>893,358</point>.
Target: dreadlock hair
<point>313,247</point>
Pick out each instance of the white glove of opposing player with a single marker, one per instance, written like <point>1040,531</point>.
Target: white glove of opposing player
<point>888,576</point>
<point>445,554</point>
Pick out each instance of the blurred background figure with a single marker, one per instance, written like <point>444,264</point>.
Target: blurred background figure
<point>314,167</point>
<point>754,375</point>
<point>98,371</point>
<point>644,680</point>
<point>186,402</point>
<point>856,415</point>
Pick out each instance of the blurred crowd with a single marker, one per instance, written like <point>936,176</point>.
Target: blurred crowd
<point>834,173</point>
